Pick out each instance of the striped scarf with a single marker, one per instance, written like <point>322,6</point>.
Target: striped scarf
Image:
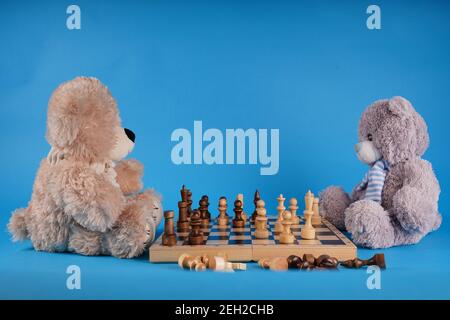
<point>373,181</point>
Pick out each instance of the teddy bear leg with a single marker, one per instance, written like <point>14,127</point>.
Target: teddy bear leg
<point>332,204</point>
<point>85,242</point>
<point>415,212</point>
<point>136,226</point>
<point>370,225</point>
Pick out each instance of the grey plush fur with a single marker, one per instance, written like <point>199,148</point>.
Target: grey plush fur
<point>409,206</point>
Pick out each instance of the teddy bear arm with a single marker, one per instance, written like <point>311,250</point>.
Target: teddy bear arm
<point>415,204</point>
<point>91,200</point>
<point>129,176</point>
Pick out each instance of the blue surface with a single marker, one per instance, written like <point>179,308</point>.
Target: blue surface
<point>306,68</point>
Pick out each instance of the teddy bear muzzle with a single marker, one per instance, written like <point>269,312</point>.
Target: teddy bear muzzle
<point>367,152</point>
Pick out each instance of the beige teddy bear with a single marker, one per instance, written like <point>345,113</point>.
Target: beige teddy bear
<point>85,198</point>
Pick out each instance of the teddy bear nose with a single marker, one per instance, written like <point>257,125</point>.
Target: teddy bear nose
<point>130,134</point>
<point>357,147</point>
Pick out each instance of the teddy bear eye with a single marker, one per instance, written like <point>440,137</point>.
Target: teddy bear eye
<point>369,137</point>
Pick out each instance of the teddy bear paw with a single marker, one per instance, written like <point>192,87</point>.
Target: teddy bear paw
<point>369,224</point>
<point>332,204</point>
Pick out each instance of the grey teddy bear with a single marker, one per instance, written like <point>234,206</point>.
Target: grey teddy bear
<point>397,202</point>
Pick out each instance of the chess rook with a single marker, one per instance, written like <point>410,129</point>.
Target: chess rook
<point>169,237</point>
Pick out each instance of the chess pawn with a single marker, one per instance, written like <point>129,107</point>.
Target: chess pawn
<point>223,219</point>
<point>308,232</point>
<point>240,197</point>
<point>196,234</point>
<point>280,208</point>
<point>261,231</point>
<point>286,237</point>
<point>293,208</point>
<point>169,237</point>
<point>203,208</point>
<point>316,219</point>
<point>238,222</point>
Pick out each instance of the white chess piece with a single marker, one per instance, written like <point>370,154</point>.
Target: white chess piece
<point>286,237</point>
<point>261,231</point>
<point>308,232</point>
<point>280,208</point>
<point>293,208</point>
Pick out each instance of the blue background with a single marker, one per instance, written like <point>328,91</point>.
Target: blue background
<point>307,68</point>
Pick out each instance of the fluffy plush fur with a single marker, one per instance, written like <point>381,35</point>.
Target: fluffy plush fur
<point>84,200</point>
<point>409,206</point>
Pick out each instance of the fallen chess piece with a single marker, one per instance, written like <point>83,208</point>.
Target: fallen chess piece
<point>376,260</point>
<point>211,262</point>
<point>323,262</point>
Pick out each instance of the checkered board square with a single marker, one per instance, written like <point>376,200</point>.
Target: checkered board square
<point>240,244</point>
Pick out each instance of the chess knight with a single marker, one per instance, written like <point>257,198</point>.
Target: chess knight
<point>85,198</point>
<point>397,201</point>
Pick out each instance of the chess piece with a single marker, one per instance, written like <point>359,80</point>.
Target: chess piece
<point>278,264</point>
<point>293,208</point>
<point>280,208</point>
<point>238,222</point>
<point>189,203</point>
<point>286,236</point>
<point>316,219</point>
<point>376,260</point>
<point>203,209</point>
<point>184,193</point>
<point>256,198</point>
<point>196,234</point>
<point>264,263</point>
<point>308,232</point>
<point>261,231</point>
<point>240,197</point>
<point>294,261</point>
<point>169,237</point>
<point>183,222</point>
<point>223,219</point>
<point>208,214</point>
<point>325,261</point>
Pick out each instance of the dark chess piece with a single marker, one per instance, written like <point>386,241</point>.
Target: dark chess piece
<point>203,209</point>
<point>196,234</point>
<point>189,203</point>
<point>183,222</point>
<point>294,261</point>
<point>376,260</point>
<point>256,198</point>
<point>169,238</point>
<point>208,214</point>
<point>325,261</point>
<point>238,221</point>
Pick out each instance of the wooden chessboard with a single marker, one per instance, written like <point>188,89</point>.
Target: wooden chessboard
<point>240,244</point>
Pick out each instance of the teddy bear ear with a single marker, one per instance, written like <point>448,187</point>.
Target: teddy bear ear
<point>399,106</point>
